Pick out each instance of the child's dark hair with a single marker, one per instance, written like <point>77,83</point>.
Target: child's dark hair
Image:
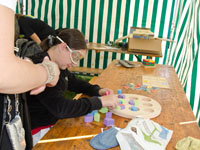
<point>73,37</point>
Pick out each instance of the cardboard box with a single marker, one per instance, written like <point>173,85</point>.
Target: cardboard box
<point>142,40</point>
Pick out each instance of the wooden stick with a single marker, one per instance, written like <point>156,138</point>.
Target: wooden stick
<point>164,39</point>
<point>66,139</point>
<point>188,122</point>
<point>121,38</point>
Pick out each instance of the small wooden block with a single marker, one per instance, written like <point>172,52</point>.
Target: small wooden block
<point>119,91</point>
<point>97,117</point>
<point>109,115</point>
<point>121,101</point>
<point>122,106</point>
<point>88,118</point>
<point>137,86</point>
<point>131,102</point>
<point>109,121</point>
<point>94,111</point>
<point>126,87</point>
<point>133,108</point>
<point>103,110</point>
<point>136,102</point>
<point>121,96</point>
<point>118,107</point>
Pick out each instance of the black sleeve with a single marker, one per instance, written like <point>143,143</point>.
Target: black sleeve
<point>25,26</point>
<point>81,86</point>
<point>60,107</point>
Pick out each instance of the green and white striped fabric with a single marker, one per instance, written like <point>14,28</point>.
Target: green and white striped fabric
<point>184,54</point>
<point>106,20</point>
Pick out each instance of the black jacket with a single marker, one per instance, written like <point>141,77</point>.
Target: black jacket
<point>29,25</point>
<point>49,106</point>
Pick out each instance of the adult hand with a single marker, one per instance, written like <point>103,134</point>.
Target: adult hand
<point>110,101</point>
<point>57,73</point>
<point>106,91</point>
<point>40,89</point>
<point>37,90</point>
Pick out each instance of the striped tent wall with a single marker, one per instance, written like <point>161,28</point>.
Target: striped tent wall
<point>18,7</point>
<point>106,20</point>
<point>184,54</point>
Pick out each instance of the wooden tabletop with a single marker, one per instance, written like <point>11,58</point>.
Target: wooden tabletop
<point>103,47</point>
<point>175,109</point>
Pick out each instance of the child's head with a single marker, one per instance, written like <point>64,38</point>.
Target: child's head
<point>72,37</point>
<point>67,48</point>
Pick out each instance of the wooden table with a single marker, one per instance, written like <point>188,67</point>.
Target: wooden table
<point>175,109</point>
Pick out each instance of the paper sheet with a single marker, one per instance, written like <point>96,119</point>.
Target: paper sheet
<point>154,81</point>
<point>144,134</point>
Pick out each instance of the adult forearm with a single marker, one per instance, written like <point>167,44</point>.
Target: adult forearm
<point>35,38</point>
<point>16,75</point>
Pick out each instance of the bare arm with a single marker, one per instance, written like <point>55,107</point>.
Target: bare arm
<point>35,38</point>
<point>16,75</point>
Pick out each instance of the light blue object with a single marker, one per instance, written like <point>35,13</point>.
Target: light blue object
<point>95,143</point>
<point>137,36</point>
<point>119,91</point>
<point>133,108</point>
<point>163,134</point>
<point>94,111</point>
<point>105,140</point>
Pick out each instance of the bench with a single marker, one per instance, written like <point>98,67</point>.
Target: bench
<point>86,70</point>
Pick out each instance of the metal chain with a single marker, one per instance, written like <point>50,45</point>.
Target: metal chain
<point>10,106</point>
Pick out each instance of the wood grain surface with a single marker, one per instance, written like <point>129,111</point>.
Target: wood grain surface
<point>175,109</point>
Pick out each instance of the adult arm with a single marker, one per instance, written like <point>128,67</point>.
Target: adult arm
<point>35,38</point>
<point>16,75</point>
<point>25,24</point>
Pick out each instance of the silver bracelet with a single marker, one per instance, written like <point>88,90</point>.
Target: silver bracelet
<point>51,70</point>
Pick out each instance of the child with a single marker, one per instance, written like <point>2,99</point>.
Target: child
<point>46,108</point>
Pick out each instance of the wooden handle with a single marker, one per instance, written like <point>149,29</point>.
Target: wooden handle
<point>121,38</point>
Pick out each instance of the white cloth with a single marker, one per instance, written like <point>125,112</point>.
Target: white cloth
<point>39,135</point>
<point>9,3</point>
<point>143,134</point>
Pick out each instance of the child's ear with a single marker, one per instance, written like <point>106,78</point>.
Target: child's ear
<point>62,46</point>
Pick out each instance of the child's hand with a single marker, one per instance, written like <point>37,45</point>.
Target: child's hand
<point>106,91</point>
<point>110,101</point>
